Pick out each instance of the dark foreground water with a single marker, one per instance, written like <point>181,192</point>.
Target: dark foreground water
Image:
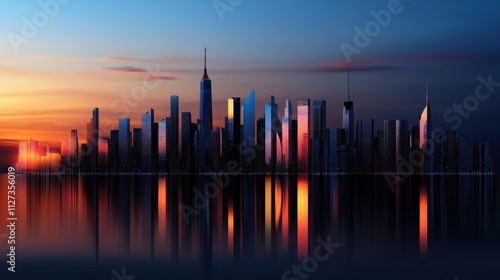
<point>253,227</point>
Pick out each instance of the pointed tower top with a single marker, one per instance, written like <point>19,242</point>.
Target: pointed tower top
<point>205,75</point>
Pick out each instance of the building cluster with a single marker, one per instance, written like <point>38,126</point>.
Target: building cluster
<point>289,143</point>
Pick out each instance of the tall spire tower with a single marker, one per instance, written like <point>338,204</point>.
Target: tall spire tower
<point>348,124</point>
<point>425,132</point>
<point>205,113</point>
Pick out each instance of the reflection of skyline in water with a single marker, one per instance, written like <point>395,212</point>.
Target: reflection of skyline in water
<point>265,221</point>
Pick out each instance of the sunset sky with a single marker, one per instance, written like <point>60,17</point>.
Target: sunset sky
<point>94,53</point>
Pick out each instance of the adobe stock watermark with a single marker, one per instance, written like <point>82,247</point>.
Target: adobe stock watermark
<point>210,190</point>
<point>31,26</point>
<point>213,189</point>
<point>223,6</point>
<point>152,78</point>
<point>309,265</point>
<point>455,115</point>
<point>483,91</point>
<point>122,276</point>
<point>372,29</point>
<point>127,101</point>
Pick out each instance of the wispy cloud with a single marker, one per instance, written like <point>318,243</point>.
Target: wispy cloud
<point>343,66</point>
<point>150,77</point>
<point>126,69</point>
<point>162,78</point>
<point>168,59</point>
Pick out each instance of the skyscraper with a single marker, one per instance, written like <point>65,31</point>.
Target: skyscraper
<point>124,145</point>
<point>333,150</point>
<point>187,152</point>
<point>402,146</point>
<point>319,135</point>
<point>72,165</point>
<point>293,146</point>
<point>260,161</point>
<point>103,157</point>
<point>348,125</point>
<point>364,141</point>
<point>173,145</point>
<point>114,142</point>
<point>390,155</point>
<point>154,146</point>
<point>215,147</point>
<point>396,146</point>
<point>234,120</point>
<point>271,118</point>
<point>163,136</point>
<point>232,138</point>
<point>286,132</point>
<point>137,150</point>
<point>450,156</point>
<point>93,140</point>
<point>205,115</point>
<point>29,158</point>
<point>148,159</point>
<point>415,154</point>
<point>303,134</point>
<point>319,119</point>
<point>426,144</point>
<point>248,142</point>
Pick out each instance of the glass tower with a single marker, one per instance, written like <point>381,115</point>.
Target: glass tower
<point>364,141</point>
<point>271,118</point>
<point>303,133</point>
<point>93,140</point>
<point>173,144</point>
<point>248,146</point>
<point>124,144</point>
<point>205,115</point>
<point>187,153</point>
<point>147,142</point>
<point>426,144</point>
<point>348,126</point>
<point>73,151</point>
<point>319,135</point>
<point>163,127</point>
<point>103,157</point>
<point>234,120</point>
<point>286,132</point>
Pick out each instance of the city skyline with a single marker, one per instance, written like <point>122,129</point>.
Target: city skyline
<point>388,75</point>
<point>285,144</point>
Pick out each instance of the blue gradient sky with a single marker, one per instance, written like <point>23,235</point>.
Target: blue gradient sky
<point>286,48</point>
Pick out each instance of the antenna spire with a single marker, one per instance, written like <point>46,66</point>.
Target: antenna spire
<point>348,82</point>
<point>205,75</point>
